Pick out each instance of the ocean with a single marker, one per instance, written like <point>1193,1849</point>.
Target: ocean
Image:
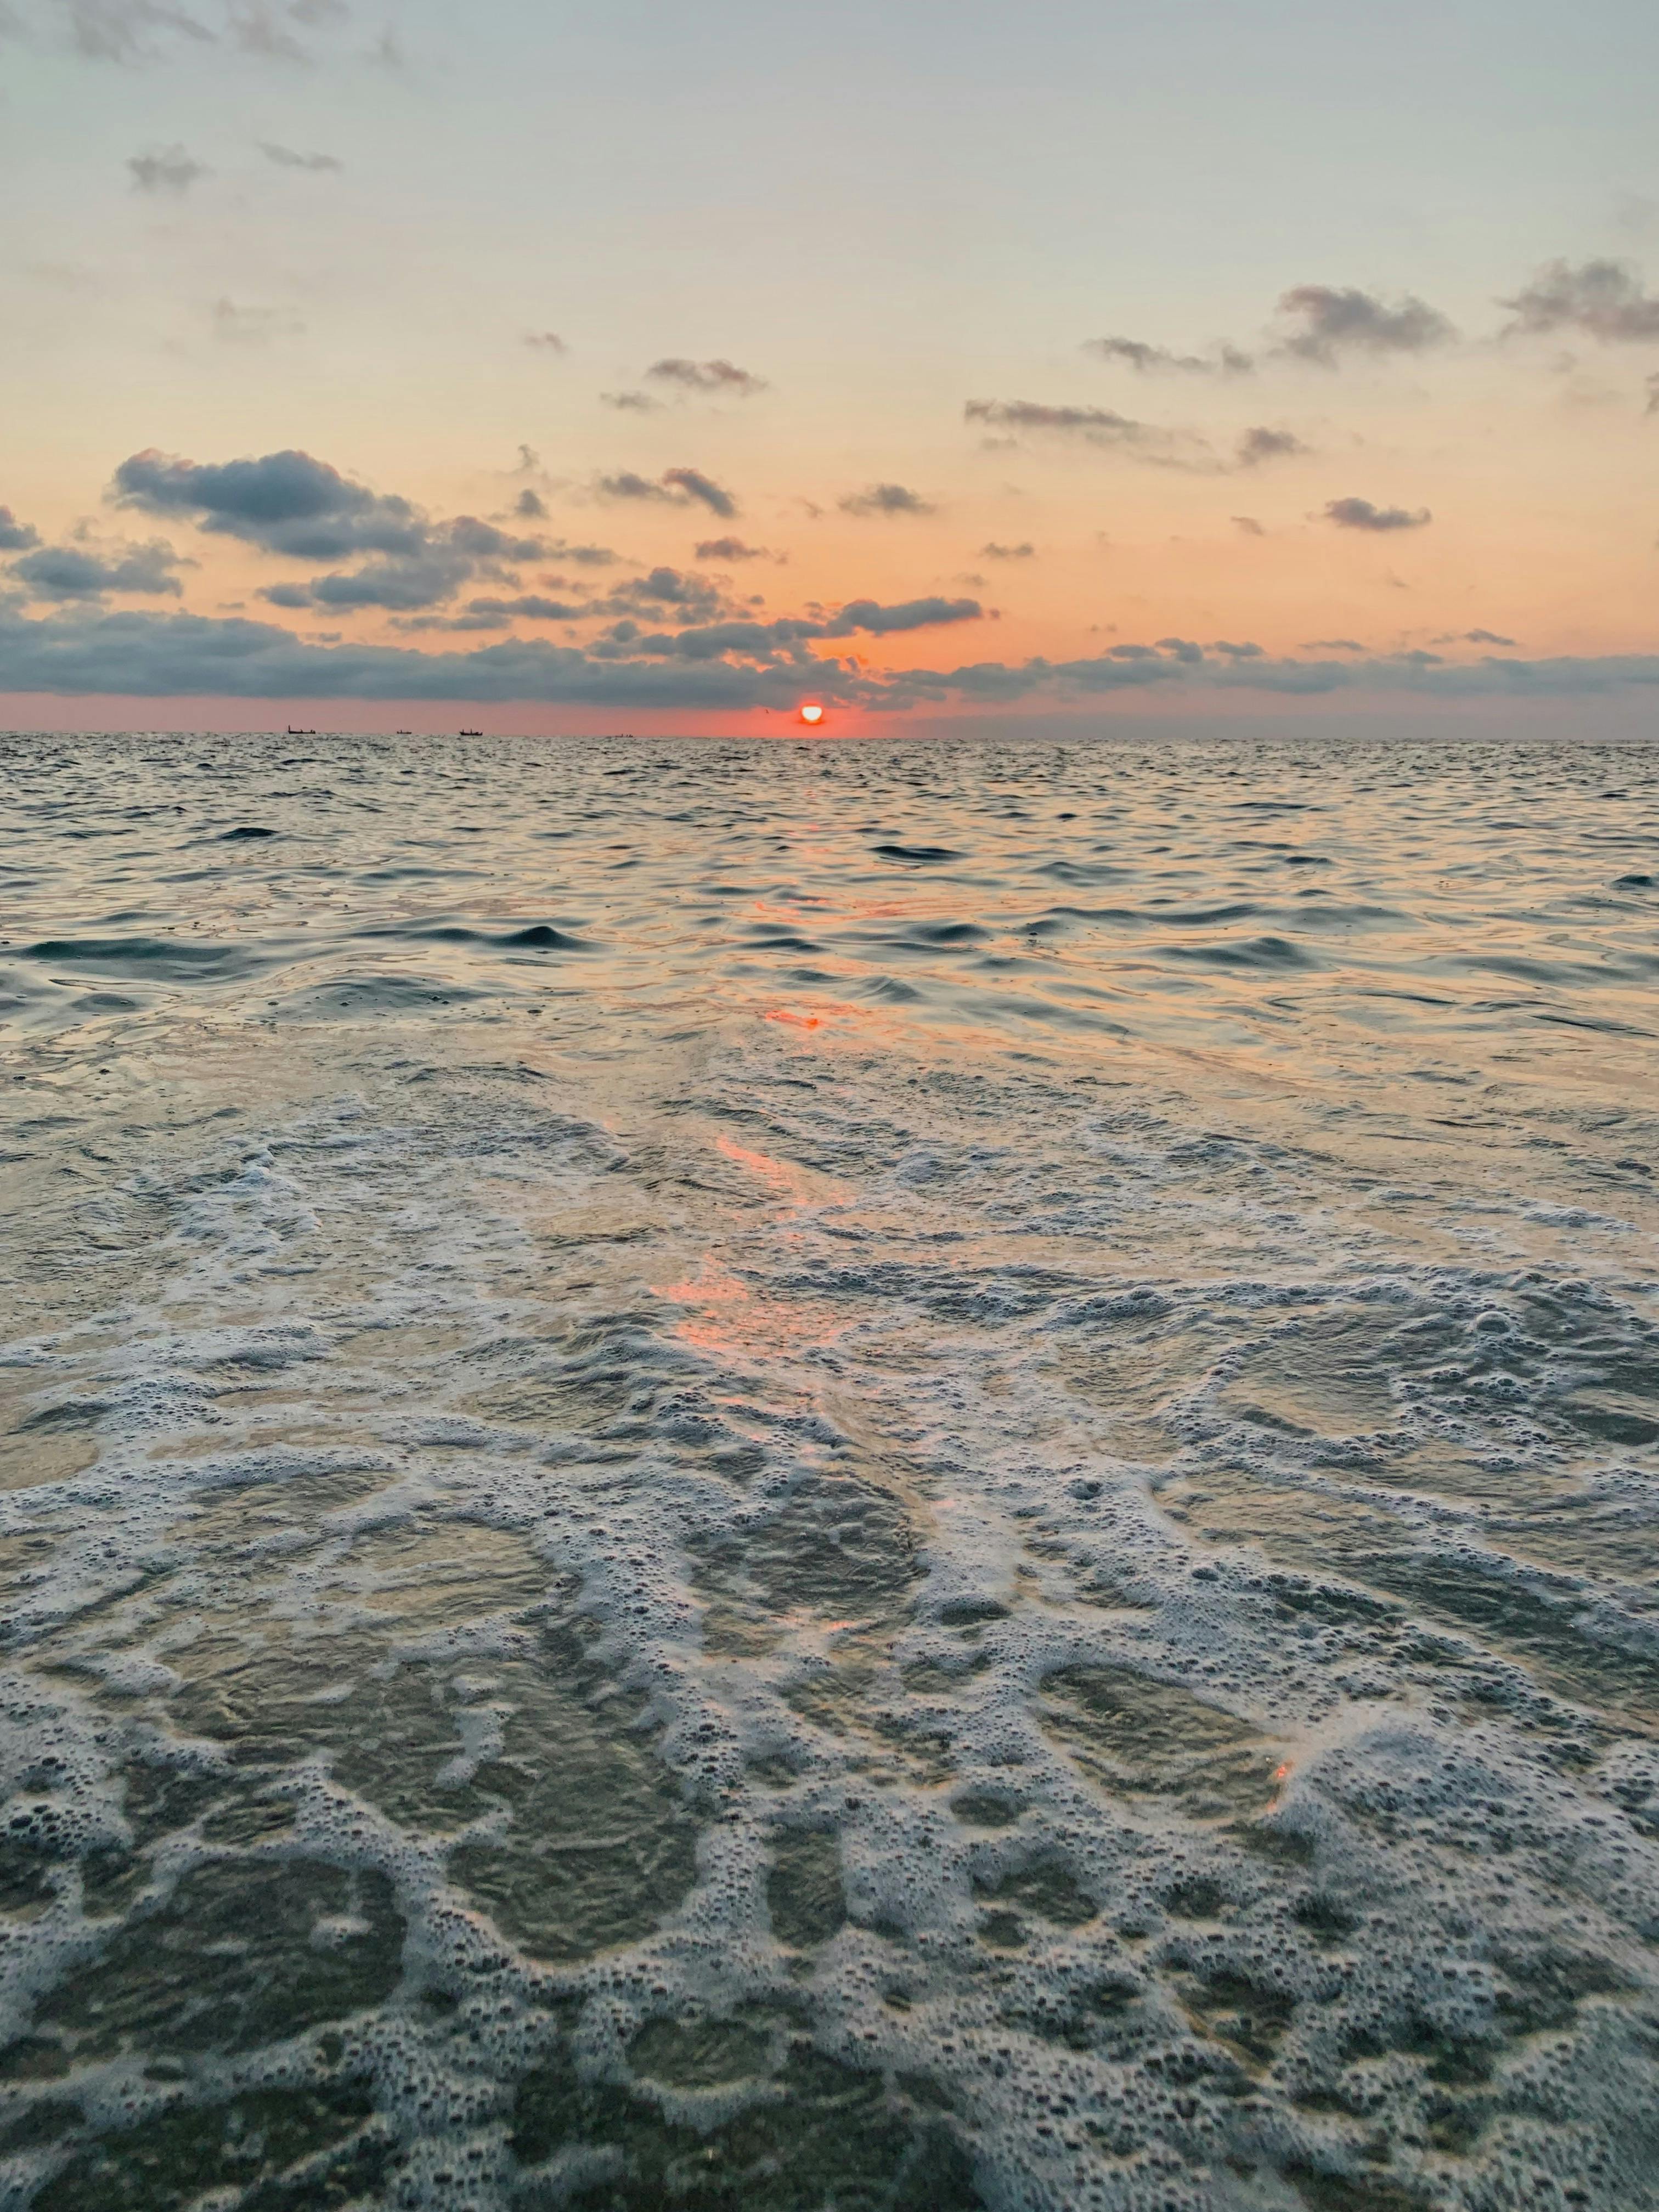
<point>811,1476</point>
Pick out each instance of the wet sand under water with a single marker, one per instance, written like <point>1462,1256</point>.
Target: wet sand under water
<point>839,1476</point>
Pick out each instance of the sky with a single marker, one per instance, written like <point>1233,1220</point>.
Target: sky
<point>539,367</point>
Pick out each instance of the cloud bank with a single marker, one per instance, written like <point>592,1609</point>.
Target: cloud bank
<point>183,655</point>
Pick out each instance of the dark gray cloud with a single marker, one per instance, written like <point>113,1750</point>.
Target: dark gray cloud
<point>703,488</point>
<point>419,580</point>
<point>1361,515</point>
<point>677,487</point>
<point>285,158</point>
<point>179,655</point>
<point>1261,444</point>
<point>447,556</point>
<point>627,484</point>
<point>720,376</point>
<point>1144,442</point>
<point>785,640</point>
<point>1025,551</point>
<point>630,403</point>
<point>1603,299</point>
<point>285,502</point>
<point>1151,359</point>
<point>581,556</point>
<point>1248,525</point>
<point>289,503</point>
<point>1329,320</point>
<point>885,499</point>
<point>876,621</point>
<point>172,170</point>
<point>89,572</point>
<point>530,505</point>
<point>546,342</point>
<point>731,549</point>
<point>1333,645</point>
<point>694,599</point>
<point>15,536</point>
<point>531,606</point>
<point>1101,427</point>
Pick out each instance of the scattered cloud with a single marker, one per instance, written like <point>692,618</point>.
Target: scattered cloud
<point>238,325</point>
<point>703,489</point>
<point>696,598</point>
<point>1248,525</point>
<point>994,552</point>
<point>914,614</point>
<point>1361,515</point>
<point>1652,407</point>
<point>1328,321</point>
<point>15,536</point>
<point>86,571</point>
<point>1151,359</point>
<point>1333,645</point>
<point>1099,426</point>
<point>627,484</point>
<point>530,505</point>
<point>545,342</point>
<point>1472,637</point>
<point>1102,427</point>
<point>1602,300</point>
<point>581,556</point>
<point>133,32</point>
<point>885,499</point>
<point>707,376</point>
<point>529,605</point>
<point>675,487</point>
<point>731,549</point>
<point>1260,444</point>
<point>172,170</point>
<point>285,158</point>
<point>630,403</point>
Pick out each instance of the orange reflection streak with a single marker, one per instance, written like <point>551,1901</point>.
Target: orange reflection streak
<point>800,1021</point>
<point>726,1320</point>
<point>781,1178</point>
<point>713,1286</point>
<point>724,1317</point>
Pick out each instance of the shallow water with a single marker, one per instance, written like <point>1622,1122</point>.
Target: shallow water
<point>829,1475</point>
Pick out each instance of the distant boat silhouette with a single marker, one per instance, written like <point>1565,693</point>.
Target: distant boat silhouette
<point>293,732</point>
<point>470,733</point>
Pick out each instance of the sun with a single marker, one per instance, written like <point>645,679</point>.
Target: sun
<point>811,716</point>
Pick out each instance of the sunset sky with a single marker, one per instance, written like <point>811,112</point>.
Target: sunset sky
<point>630,365</point>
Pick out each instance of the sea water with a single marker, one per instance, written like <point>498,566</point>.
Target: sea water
<point>801,1476</point>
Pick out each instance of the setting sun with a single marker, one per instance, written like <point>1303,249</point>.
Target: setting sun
<point>811,716</point>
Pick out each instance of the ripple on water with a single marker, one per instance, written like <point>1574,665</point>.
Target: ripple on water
<point>1032,1583</point>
